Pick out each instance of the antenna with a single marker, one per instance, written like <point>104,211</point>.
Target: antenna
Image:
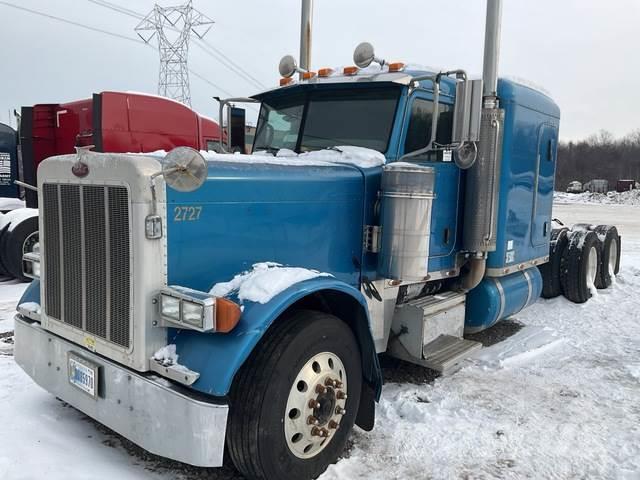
<point>174,26</point>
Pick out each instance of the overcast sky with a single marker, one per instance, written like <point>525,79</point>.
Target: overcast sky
<point>584,52</point>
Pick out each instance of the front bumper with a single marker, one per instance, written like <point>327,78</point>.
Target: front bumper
<point>146,409</point>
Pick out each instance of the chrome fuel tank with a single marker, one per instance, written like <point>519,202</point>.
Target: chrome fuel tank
<point>406,203</point>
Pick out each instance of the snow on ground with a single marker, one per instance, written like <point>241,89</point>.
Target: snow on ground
<point>559,399</point>
<point>631,197</point>
<point>567,406</point>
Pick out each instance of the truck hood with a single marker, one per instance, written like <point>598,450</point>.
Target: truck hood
<point>297,210</point>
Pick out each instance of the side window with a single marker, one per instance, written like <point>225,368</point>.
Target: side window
<point>419,130</point>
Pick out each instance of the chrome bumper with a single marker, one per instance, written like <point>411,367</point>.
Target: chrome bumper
<point>146,409</point>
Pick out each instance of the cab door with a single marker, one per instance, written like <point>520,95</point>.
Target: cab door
<point>544,183</point>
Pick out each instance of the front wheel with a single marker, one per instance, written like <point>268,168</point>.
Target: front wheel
<point>294,402</point>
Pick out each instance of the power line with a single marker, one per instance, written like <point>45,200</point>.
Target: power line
<point>173,80</point>
<point>71,22</point>
<point>106,32</point>
<point>206,47</point>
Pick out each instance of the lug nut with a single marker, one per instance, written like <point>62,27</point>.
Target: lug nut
<point>324,432</point>
<point>316,432</point>
<point>337,384</point>
<point>320,389</point>
<point>314,404</point>
<point>311,420</point>
<point>333,424</point>
<point>329,382</point>
<point>340,411</point>
<point>341,395</point>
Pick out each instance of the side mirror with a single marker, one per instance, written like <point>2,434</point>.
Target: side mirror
<point>466,121</point>
<point>236,124</point>
<point>364,55</point>
<point>287,66</point>
<point>467,111</point>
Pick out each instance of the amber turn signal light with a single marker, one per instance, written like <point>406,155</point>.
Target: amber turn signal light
<point>227,315</point>
<point>352,70</point>
<point>325,72</point>
<point>396,67</point>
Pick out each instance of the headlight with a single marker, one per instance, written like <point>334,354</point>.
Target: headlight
<point>31,262</point>
<point>170,307</point>
<point>192,313</point>
<point>182,307</point>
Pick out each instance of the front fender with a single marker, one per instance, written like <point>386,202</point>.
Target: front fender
<point>217,357</point>
<point>31,293</point>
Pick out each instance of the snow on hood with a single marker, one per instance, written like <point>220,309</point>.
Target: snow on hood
<point>264,281</point>
<point>344,155</point>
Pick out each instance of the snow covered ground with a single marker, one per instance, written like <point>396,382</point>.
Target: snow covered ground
<point>631,197</point>
<point>559,399</point>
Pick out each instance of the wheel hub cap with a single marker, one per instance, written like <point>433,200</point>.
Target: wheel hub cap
<point>316,405</point>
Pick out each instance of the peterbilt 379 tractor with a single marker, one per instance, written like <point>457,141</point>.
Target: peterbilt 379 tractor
<point>202,303</point>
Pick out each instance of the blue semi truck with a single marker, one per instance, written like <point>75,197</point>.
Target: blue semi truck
<point>240,302</point>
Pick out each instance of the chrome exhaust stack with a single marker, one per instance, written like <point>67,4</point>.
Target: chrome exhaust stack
<point>306,21</point>
<point>483,178</point>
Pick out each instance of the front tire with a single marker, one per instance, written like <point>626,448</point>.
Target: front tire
<point>290,414</point>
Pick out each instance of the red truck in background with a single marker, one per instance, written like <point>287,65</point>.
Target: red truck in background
<point>112,122</point>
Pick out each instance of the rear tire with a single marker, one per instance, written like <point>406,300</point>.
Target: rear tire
<point>580,265</point>
<point>550,271</point>
<point>263,409</point>
<point>610,257</point>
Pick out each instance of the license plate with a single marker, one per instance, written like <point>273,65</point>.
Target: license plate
<point>83,374</point>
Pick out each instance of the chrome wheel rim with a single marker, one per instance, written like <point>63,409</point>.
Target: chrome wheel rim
<point>613,257</point>
<point>316,405</point>
<point>29,242</point>
<point>592,266</point>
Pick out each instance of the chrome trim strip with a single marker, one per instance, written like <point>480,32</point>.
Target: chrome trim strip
<point>503,299</point>
<point>518,267</point>
<point>527,275</point>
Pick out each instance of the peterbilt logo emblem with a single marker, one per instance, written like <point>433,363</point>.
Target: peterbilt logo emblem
<point>80,169</point>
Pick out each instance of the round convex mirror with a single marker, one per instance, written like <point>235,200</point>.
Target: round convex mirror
<point>288,66</point>
<point>184,169</point>
<point>363,55</point>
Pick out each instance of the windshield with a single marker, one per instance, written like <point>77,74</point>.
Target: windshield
<point>316,120</point>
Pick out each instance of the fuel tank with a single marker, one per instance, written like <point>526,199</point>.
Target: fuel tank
<point>497,298</point>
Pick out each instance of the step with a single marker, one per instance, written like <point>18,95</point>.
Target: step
<point>446,353</point>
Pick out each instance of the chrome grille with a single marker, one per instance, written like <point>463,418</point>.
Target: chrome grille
<point>87,258</point>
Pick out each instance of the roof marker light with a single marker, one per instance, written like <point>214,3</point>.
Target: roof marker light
<point>325,72</point>
<point>352,70</point>
<point>308,75</point>
<point>396,67</point>
<point>286,81</point>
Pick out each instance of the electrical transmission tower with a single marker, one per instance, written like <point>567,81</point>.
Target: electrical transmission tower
<point>173,26</point>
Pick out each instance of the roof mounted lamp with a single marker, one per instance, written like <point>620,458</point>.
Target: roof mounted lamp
<point>364,55</point>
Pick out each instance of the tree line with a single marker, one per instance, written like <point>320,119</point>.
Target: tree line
<point>600,155</point>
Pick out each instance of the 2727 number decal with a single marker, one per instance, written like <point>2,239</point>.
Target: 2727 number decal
<point>186,214</point>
